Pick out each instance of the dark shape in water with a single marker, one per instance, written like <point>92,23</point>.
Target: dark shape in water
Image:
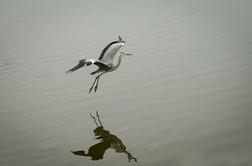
<point>107,141</point>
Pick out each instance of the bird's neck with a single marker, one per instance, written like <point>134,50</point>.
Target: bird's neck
<point>118,62</point>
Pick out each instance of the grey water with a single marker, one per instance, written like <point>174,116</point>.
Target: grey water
<point>183,99</point>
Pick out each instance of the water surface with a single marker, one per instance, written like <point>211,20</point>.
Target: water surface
<point>183,98</point>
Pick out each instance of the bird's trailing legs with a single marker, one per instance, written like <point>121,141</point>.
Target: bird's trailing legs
<point>96,81</point>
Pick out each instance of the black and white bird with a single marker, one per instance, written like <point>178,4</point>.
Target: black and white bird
<point>105,62</point>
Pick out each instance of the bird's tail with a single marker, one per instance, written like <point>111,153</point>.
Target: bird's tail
<point>81,64</point>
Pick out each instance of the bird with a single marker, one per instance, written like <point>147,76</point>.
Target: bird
<point>104,63</point>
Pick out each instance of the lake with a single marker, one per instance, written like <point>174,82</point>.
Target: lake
<point>184,98</point>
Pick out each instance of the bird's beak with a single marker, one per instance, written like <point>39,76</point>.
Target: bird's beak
<point>126,54</point>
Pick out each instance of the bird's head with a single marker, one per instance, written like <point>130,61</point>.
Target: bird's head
<point>125,54</point>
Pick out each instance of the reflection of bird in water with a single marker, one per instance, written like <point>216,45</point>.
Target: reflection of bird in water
<point>105,61</point>
<point>107,141</point>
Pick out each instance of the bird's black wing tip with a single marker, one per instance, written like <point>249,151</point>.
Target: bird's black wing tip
<point>69,71</point>
<point>120,38</point>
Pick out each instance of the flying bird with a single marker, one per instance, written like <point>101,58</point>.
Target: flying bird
<point>105,62</point>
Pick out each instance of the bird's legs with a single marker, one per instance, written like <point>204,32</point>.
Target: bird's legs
<point>96,81</point>
<point>96,86</point>
<point>93,84</point>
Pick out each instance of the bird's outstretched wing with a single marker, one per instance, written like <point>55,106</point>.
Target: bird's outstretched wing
<point>120,39</point>
<point>109,52</point>
<point>101,64</point>
<point>87,62</point>
<point>81,64</point>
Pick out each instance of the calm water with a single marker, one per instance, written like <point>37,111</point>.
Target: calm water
<point>183,99</point>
